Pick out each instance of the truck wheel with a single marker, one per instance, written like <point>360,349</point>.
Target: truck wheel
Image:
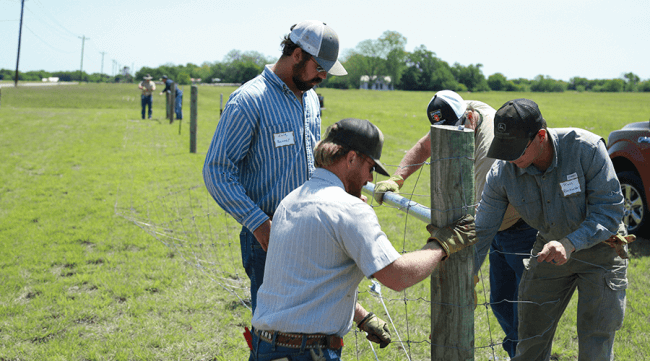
<point>636,210</point>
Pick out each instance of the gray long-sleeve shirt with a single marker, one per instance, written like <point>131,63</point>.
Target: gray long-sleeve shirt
<point>578,196</point>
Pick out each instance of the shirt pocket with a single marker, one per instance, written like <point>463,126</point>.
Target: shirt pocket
<point>528,205</point>
<point>280,141</point>
<point>573,195</point>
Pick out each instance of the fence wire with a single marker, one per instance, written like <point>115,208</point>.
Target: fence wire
<point>188,221</point>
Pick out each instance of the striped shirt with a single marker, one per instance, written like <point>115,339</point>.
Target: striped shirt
<point>262,148</point>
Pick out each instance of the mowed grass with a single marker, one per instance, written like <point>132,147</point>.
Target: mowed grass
<point>80,281</point>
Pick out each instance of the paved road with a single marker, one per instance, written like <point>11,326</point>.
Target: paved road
<point>11,84</point>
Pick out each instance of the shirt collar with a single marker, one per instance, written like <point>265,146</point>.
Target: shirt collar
<point>329,177</point>
<point>275,80</point>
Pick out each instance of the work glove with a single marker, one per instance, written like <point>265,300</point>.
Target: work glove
<point>619,242</point>
<point>392,184</point>
<point>376,329</point>
<point>456,236</point>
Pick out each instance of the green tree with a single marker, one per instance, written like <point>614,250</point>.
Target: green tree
<point>631,81</point>
<point>497,81</point>
<point>426,72</point>
<point>471,76</point>
<point>614,85</point>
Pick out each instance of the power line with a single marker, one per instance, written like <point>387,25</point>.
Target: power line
<point>44,42</point>
<point>54,19</point>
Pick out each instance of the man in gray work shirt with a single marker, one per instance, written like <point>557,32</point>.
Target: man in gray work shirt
<point>562,183</point>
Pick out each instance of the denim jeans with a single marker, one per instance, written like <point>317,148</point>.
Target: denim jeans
<point>178,106</point>
<point>146,101</point>
<point>508,250</point>
<point>599,275</point>
<point>264,351</point>
<point>253,260</point>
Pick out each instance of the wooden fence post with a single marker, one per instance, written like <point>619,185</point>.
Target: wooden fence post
<point>193,113</point>
<point>452,286</point>
<point>167,96</point>
<point>220,104</point>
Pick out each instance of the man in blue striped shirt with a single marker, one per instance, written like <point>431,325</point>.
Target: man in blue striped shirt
<point>262,148</point>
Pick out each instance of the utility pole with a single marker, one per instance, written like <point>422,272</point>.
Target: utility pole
<point>20,32</point>
<point>102,52</point>
<point>83,40</point>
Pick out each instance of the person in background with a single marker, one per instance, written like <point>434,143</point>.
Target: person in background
<point>263,146</point>
<point>178,103</point>
<point>147,87</point>
<point>324,240</point>
<point>515,238</point>
<point>563,183</point>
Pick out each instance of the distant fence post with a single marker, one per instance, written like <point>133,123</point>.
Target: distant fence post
<point>193,113</point>
<point>167,104</point>
<point>452,195</point>
<point>220,104</point>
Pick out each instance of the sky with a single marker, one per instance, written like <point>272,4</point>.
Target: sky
<point>560,39</point>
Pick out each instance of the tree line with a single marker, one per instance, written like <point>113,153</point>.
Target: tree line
<point>377,59</point>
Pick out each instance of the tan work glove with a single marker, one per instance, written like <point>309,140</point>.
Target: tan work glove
<point>392,184</point>
<point>456,236</point>
<point>619,242</point>
<point>376,329</point>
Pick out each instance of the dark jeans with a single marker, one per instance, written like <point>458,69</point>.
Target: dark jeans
<point>147,100</point>
<point>253,259</point>
<point>179,106</point>
<point>264,351</point>
<point>506,269</point>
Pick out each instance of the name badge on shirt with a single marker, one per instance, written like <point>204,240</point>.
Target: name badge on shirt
<point>283,139</point>
<point>571,186</point>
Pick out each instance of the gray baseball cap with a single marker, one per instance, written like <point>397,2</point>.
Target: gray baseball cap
<point>320,40</point>
<point>515,124</point>
<point>359,135</point>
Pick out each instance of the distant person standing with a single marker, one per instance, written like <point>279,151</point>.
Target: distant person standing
<point>147,87</point>
<point>179,96</point>
<point>263,147</point>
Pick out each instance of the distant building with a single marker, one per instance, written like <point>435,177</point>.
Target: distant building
<point>376,83</point>
<point>52,79</point>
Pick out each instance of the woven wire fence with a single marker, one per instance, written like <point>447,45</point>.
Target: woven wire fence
<point>186,219</point>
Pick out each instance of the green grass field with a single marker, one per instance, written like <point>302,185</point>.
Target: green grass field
<point>110,249</point>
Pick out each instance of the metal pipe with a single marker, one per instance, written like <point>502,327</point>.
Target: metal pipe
<point>405,205</point>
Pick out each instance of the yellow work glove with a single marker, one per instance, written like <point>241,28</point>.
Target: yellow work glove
<point>392,184</point>
<point>619,242</point>
<point>456,236</point>
<point>376,329</point>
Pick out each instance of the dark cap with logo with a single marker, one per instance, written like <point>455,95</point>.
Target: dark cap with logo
<point>359,135</point>
<point>515,124</point>
<point>446,108</point>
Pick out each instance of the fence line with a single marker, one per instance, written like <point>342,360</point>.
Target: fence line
<point>190,223</point>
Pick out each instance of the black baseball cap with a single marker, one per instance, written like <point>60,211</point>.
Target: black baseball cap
<point>359,135</point>
<point>446,108</point>
<point>515,124</point>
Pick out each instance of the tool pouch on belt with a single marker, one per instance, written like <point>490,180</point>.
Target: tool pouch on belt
<point>619,242</point>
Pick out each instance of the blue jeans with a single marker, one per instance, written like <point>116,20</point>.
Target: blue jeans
<point>178,106</point>
<point>508,250</point>
<point>264,351</point>
<point>253,259</point>
<point>147,100</point>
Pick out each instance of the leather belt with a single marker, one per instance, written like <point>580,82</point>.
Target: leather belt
<point>294,340</point>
